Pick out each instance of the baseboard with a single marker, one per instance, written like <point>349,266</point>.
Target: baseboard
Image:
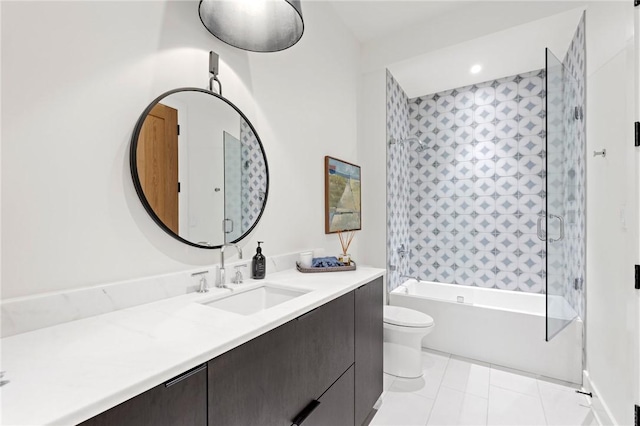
<point>598,406</point>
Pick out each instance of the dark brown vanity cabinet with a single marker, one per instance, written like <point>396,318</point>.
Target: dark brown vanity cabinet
<point>368,347</point>
<point>329,359</point>
<point>181,401</point>
<point>332,354</point>
<point>272,378</point>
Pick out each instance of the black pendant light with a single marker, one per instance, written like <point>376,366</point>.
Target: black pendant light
<point>254,25</point>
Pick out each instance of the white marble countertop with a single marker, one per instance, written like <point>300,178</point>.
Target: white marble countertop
<point>70,372</point>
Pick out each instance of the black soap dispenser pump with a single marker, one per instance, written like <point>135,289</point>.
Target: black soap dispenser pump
<point>258,264</point>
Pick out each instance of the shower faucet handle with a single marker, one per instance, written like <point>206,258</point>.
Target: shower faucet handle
<point>402,251</point>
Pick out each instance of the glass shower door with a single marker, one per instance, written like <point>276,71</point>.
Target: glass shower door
<point>232,225</point>
<point>562,116</point>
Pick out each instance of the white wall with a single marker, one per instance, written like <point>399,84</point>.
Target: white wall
<point>76,76</point>
<point>372,153</point>
<point>307,109</point>
<point>612,209</point>
<point>470,21</point>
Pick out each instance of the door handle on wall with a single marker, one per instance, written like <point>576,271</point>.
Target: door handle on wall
<point>553,240</point>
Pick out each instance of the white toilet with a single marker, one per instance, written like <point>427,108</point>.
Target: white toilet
<point>403,332</point>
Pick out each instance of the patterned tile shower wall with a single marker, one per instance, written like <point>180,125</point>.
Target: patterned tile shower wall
<point>476,192</point>
<point>397,182</point>
<point>575,182</point>
<point>254,176</point>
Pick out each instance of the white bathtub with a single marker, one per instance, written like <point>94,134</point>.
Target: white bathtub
<point>500,327</point>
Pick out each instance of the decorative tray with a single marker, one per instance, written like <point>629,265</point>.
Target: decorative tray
<point>351,267</point>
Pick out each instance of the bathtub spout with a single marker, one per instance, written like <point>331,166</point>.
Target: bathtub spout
<point>410,277</point>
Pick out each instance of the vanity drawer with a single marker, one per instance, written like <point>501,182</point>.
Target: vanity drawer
<point>335,406</point>
<point>181,401</point>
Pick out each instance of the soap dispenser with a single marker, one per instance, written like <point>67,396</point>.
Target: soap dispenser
<point>258,264</point>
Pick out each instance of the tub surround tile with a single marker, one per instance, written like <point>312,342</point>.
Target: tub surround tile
<point>401,117</point>
<point>573,183</point>
<point>485,158</point>
<point>519,165</point>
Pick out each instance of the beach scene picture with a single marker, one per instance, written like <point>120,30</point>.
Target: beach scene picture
<point>342,196</point>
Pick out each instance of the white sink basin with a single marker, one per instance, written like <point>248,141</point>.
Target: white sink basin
<point>255,300</point>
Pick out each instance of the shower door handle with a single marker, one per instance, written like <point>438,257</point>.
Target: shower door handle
<point>553,240</point>
<point>542,234</point>
<point>226,229</point>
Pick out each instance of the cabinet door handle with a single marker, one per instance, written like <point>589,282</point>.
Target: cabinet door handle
<point>306,411</point>
<point>185,375</point>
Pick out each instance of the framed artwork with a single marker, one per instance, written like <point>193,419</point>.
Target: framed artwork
<point>342,200</point>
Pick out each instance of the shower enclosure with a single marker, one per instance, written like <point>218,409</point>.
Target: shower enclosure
<point>486,185</point>
<point>565,202</point>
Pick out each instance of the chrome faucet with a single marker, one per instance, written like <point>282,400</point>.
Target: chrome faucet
<point>204,286</point>
<point>410,277</point>
<point>238,279</point>
<point>222,283</point>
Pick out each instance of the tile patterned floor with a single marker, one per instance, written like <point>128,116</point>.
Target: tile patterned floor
<point>459,391</point>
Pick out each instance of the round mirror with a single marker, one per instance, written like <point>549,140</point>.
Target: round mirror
<point>199,167</point>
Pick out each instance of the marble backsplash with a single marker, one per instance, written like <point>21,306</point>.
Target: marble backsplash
<point>23,314</point>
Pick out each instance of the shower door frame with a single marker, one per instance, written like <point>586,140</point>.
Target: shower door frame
<point>561,120</point>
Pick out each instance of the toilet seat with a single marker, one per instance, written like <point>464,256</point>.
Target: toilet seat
<point>403,317</point>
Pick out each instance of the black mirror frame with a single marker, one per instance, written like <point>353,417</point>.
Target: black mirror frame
<point>136,178</point>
